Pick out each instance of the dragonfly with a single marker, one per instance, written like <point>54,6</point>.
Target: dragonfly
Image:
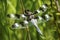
<point>29,16</point>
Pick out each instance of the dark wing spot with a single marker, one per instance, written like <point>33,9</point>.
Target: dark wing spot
<point>13,26</point>
<point>17,15</point>
<point>41,9</point>
<point>46,5</point>
<point>36,17</point>
<point>22,23</point>
<point>35,12</point>
<point>43,17</point>
<point>8,15</point>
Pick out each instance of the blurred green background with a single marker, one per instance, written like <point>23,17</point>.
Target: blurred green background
<point>50,29</point>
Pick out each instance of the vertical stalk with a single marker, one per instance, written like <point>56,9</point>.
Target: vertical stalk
<point>58,24</point>
<point>23,9</point>
<point>58,27</point>
<point>28,33</point>
<point>51,3</point>
<point>57,4</point>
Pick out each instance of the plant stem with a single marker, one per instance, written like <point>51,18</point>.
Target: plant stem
<point>28,33</point>
<point>57,4</point>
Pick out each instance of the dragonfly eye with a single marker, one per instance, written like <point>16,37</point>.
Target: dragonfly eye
<point>26,11</point>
